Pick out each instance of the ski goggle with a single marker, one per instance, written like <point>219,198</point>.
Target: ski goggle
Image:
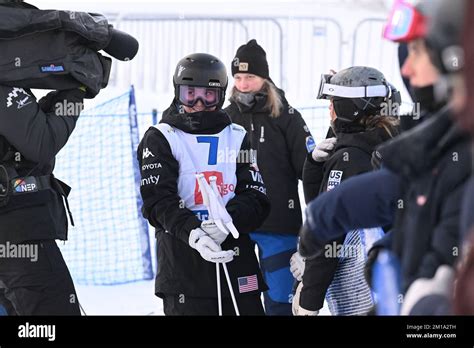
<point>328,90</point>
<point>405,23</point>
<point>190,95</point>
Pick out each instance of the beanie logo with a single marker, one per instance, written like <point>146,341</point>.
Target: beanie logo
<point>243,66</point>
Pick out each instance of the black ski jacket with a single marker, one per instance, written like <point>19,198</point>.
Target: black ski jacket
<point>281,147</point>
<point>31,134</point>
<point>181,269</point>
<point>352,156</point>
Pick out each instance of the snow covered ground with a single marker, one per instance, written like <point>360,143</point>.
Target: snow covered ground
<point>136,298</point>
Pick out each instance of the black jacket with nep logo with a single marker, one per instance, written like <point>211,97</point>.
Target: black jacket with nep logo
<point>31,135</point>
<point>181,269</point>
<point>281,147</point>
<point>352,156</point>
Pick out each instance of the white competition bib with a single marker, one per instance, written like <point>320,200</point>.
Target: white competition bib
<point>212,155</point>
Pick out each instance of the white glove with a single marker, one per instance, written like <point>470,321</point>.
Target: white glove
<point>295,305</point>
<point>209,250</point>
<point>440,284</point>
<point>297,263</point>
<point>321,151</point>
<point>216,234</point>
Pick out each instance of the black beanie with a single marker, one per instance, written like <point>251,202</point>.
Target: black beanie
<point>251,59</point>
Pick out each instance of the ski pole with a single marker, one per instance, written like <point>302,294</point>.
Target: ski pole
<point>219,295</point>
<point>229,284</point>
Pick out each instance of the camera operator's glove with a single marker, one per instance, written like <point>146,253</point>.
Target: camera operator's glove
<point>216,234</point>
<point>209,250</point>
<point>297,263</point>
<point>49,103</point>
<point>295,305</point>
<point>323,149</point>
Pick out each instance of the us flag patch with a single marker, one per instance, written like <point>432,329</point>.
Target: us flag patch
<point>247,284</point>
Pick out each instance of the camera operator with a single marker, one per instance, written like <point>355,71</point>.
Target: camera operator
<point>34,279</point>
<point>32,209</point>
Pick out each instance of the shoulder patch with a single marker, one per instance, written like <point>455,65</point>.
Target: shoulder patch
<point>335,177</point>
<point>310,143</point>
<point>18,97</point>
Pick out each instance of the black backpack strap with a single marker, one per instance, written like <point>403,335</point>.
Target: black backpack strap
<point>63,189</point>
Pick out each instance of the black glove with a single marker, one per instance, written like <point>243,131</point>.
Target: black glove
<point>58,102</point>
<point>308,246</point>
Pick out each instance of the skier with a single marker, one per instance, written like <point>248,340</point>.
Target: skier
<point>360,125</point>
<point>281,141</point>
<point>196,136</point>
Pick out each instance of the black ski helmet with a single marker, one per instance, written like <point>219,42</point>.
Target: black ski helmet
<point>201,70</point>
<point>369,101</point>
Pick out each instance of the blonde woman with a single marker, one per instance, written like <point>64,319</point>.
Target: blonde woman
<point>281,141</point>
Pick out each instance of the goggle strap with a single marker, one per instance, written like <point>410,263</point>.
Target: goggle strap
<point>354,92</point>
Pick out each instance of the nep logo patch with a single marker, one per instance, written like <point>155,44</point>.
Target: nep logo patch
<point>51,68</point>
<point>24,185</point>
